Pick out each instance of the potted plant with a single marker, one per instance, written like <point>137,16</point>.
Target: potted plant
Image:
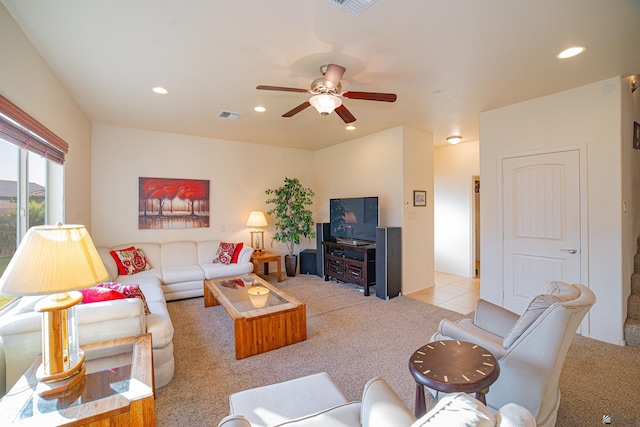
<point>293,219</point>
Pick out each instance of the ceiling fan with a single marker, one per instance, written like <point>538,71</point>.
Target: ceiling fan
<point>327,91</point>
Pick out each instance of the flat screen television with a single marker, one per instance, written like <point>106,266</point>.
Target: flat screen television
<point>353,220</point>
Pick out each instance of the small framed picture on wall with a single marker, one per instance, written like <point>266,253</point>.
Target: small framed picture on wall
<point>419,198</point>
<point>636,135</point>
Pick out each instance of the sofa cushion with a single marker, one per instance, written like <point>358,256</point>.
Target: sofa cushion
<point>225,253</point>
<point>179,254</point>
<point>214,271</point>
<point>98,293</point>
<point>130,260</point>
<point>457,410</point>
<point>185,273</point>
<point>128,290</point>
<point>554,292</point>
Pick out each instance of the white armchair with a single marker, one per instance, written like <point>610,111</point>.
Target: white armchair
<point>530,348</point>
<point>315,400</point>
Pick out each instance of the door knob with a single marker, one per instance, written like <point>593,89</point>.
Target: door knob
<point>570,250</point>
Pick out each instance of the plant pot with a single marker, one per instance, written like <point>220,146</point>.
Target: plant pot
<point>291,264</point>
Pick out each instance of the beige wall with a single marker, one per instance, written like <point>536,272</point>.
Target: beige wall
<point>27,81</point>
<point>239,173</point>
<point>630,185</point>
<point>454,168</point>
<point>389,164</point>
<point>588,116</point>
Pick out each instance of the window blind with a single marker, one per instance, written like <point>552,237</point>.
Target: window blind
<point>19,128</point>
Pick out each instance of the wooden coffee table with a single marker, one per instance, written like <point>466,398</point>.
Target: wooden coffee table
<point>451,366</point>
<point>281,322</point>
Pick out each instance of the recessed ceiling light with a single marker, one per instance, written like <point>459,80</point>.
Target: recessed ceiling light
<point>260,109</point>
<point>350,127</point>
<point>453,140</point>
<point>571,52</point>
<point>160,90</point>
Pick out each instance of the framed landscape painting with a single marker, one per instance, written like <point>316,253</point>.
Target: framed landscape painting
<point>173,203</point>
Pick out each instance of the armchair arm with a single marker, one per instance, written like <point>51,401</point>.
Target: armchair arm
<point>493,318</point>
<point>514,415</point>
<point>382,407</point>
<point>471,333</point>
<point>234,421</point>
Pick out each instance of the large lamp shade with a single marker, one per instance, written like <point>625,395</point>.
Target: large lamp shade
<point>56,260</point>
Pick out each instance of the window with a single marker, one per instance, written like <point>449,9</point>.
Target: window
<point>30,166</point>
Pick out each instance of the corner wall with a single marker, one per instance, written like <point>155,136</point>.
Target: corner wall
<point>27,81</point>
<point>589,115</point>
<point>388,164</point>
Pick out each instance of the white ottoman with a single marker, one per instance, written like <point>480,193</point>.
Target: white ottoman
<point>276,403</point>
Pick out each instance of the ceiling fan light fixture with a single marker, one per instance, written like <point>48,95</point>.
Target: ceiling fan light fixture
<point>325,104</point>
<point>453,140</point>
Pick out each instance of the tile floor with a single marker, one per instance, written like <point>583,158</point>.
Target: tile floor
<point>452,292</point>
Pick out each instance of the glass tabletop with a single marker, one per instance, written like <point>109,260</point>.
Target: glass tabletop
<point>238,290</point>
<point>108,373</point>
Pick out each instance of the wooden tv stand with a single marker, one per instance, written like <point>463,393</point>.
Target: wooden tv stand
<point>350,263</point>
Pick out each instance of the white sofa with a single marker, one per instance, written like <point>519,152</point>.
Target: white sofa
<point>315,400</point>
<point>178,270</point>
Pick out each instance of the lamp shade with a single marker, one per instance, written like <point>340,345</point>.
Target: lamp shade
<point>53,259</point>
<point>325,104</point>
<point>257,219</point>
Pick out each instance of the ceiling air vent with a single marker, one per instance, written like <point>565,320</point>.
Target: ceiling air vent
<point>354,7</point>
<point>228,115</point>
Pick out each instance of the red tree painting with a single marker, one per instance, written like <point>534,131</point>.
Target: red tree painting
<point>173,203</point>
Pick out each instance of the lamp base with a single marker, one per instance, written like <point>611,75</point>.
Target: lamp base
<point>57,387</point>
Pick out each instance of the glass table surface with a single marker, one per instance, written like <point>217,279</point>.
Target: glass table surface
<point>108,374</point>
<point>236,291</point>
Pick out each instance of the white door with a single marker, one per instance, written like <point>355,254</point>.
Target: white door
<point>541,224</point>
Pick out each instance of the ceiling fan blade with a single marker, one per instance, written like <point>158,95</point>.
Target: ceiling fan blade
<point>280,88</point>
<point>345,114</point>
<point>333,75</point>
<point>371,96</point>
<point>297,109</point>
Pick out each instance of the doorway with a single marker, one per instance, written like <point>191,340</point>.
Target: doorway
<point>476,223</point>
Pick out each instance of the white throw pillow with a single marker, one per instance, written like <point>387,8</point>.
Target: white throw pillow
<point>457,410</point>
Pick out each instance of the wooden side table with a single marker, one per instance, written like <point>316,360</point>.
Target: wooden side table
<point>117,389</point>
<point>265,258</point>
<point>452,366</point>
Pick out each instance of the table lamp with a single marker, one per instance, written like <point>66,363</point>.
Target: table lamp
<point>55,260</point>
<point>257,219</point>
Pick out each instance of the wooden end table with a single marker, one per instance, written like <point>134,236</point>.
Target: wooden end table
<point>117,389</point>
<point>265,258</point>
<point>452,366</point>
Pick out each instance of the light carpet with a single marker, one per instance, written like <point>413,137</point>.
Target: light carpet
<point>354,338</point>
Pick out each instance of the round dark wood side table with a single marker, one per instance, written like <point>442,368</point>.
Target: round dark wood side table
<point>452,366</point>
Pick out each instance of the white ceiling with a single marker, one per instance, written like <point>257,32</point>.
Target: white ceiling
<point>447,60</point>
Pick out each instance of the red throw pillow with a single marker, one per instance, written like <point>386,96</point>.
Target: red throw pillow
<point>236,254</point>
<point>132,261</point>
<point>225,253</point>
<point>129,291</point>
<point>116,258</point>
<point>97,294</point>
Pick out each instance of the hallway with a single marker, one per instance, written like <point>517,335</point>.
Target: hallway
<point>452,292</point>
